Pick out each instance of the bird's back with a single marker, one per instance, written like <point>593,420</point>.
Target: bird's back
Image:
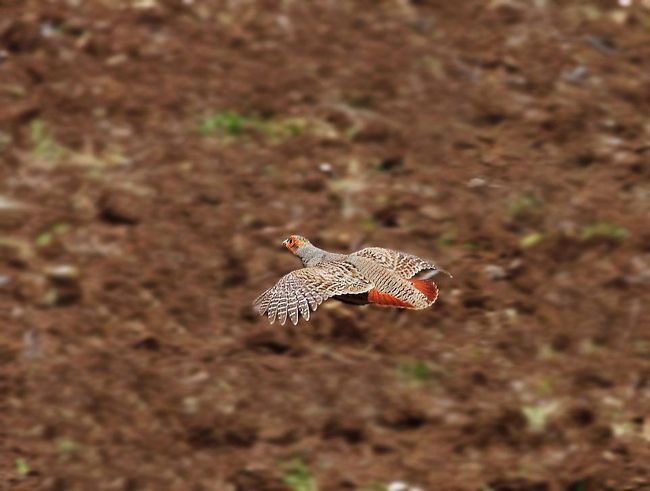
<point>389,287</point>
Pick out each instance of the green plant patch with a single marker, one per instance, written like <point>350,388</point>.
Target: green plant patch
<point>43,145</point>
<point>232,124</point>
<point>22,467</point>
<point>524,206</point>
<point>226,123</point>
<point>603,230</point>
<point>297,476</point>
<point>414,370</point>
<point>531,240</point>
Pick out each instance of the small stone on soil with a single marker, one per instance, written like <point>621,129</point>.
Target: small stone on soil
<point>120,208</point>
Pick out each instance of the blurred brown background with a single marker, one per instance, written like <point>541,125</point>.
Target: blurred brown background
<point>155,153</point>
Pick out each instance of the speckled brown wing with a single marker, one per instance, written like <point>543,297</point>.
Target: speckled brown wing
<point>391,289</point>
<point>404,265</point>
<point>302,291</point>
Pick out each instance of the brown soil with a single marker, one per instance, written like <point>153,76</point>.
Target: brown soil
<point>156,153</point>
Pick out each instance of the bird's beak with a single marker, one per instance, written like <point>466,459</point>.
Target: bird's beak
<point>286,241</point>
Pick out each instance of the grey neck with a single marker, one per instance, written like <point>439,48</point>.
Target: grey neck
<point>310,255</point>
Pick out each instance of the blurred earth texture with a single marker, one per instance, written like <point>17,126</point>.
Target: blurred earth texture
<point>155,153</point>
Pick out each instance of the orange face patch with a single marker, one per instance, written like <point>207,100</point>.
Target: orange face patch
<point>292,243</point>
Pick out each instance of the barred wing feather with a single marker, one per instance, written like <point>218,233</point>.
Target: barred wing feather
<point>405,265</point>
<point>302,291</point>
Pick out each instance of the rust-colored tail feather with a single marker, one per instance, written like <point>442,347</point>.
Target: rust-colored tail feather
<point>427,287</point>
<point>375,296</point>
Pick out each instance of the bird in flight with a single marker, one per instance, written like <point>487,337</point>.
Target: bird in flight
<point>370,276</point>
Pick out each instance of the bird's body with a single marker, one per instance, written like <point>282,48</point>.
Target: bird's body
<point>373,275</point>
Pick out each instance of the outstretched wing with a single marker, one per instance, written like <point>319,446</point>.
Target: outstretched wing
<point>405,265</point>
<point>303,290</point>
